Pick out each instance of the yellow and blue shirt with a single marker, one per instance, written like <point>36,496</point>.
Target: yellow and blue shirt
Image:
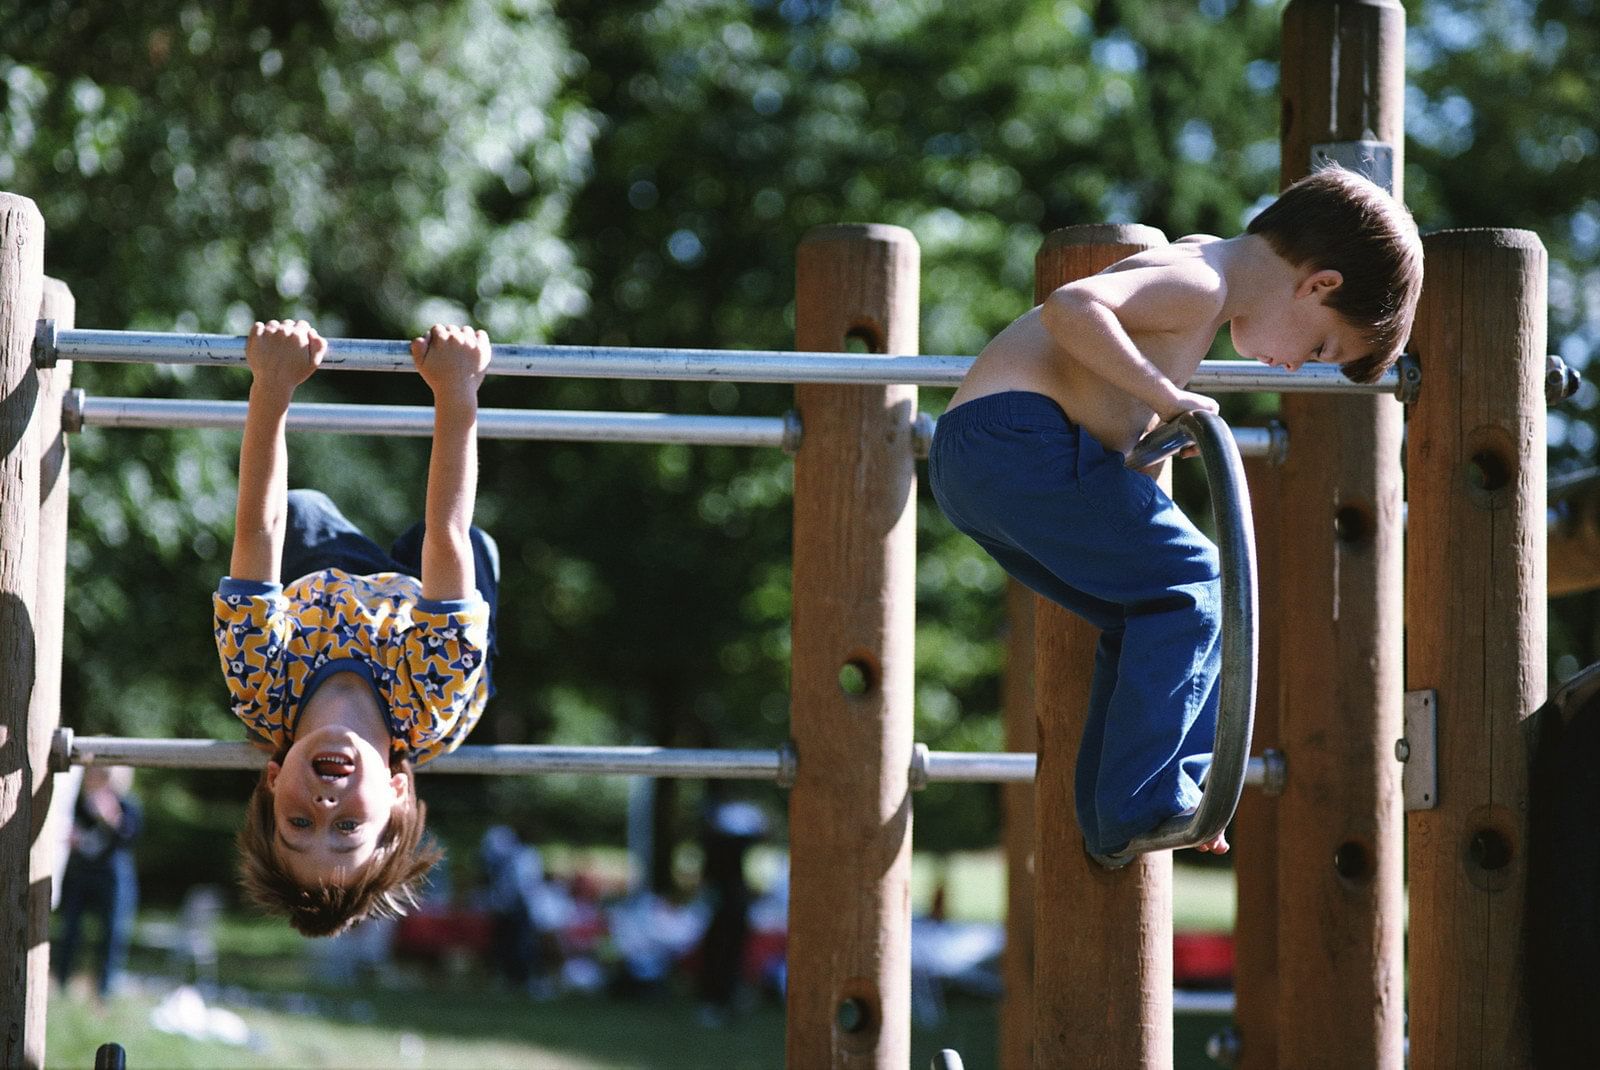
<point>424,659</point>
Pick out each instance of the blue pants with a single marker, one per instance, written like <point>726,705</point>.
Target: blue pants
<point>1060,513</point>
<point>318,536</point>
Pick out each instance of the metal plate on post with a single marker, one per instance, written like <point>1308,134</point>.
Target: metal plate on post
<point>1418,751</point>
<point>1373,159</point>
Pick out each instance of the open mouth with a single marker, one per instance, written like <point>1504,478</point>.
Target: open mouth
<point>333,766</point>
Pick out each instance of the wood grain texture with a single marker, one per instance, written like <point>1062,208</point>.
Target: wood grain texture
<point>1255,824</point>
<point>1340,918</point>
<point>1017,833</point>
<point>44,713</point>
<point>854,590</point>
<point>21,288</point>
<point>1475,627</point>
<point>1102,939</point>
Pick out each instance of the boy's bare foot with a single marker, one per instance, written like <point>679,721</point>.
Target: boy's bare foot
<point>1218,846</point>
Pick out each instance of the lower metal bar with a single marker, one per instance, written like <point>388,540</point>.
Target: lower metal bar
<point>622,362</point>
<point>80,410</point>
<point>517,759</point>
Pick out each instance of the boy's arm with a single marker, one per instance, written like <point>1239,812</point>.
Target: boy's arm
<point>1092,317</point>
<point>452,360</point>
<point>281,355</point>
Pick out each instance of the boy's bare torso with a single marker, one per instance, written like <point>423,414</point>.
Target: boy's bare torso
<point>1025,357</point>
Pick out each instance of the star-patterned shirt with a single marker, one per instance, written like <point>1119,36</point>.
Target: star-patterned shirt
<point>423,658</point>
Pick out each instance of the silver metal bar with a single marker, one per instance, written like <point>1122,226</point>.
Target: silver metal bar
<point>81,410</point>
<point>497,760</point>
<point>619,362</point>
<point>1230,505</point>
<point>515,759</point>
<point>1019,767</point>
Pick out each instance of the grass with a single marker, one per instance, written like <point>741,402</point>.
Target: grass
<point>459,1018</point>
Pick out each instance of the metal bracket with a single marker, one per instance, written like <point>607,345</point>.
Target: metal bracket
<point>1371,159</point>
<point>1561,380</point>
<point>793,431</point>
<point>44,344</point>
<point>1418,750</point>
<point>921,435</point>
<point>61,750</point>
<point>788,764</point>
<point>72,402</point>
<point>1410,369</point>
<point>917,776</point>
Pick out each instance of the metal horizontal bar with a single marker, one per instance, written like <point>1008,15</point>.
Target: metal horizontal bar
<point>519,759</point>
<point>496,760</point>
<point>81,410</point>
<point>622,362</point>
<point>1020,767</point>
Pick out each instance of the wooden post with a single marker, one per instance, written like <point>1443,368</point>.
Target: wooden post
<point>1017,831</point>
<point>849,986</point>
<point>1475,625</point>
<point>1340,952</point>
<point>21,289</point>
<point>44,714</point>
<point>1103,939</point>
<point>1255,824</point>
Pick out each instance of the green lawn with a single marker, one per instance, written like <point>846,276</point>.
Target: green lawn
<point>435,1018</point>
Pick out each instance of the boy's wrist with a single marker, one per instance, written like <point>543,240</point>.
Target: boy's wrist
<point>456,403</point>
<point>271,395</point>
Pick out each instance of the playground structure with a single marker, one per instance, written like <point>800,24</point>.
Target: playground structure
<point>1089,975</point>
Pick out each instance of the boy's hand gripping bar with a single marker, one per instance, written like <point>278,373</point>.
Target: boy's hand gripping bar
<point>1230,505</point>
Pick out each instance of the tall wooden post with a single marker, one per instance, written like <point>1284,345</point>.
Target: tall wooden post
<point>44,714</point>
<point>21,289</point>
<point>1103,939</point>
<point>1255,824</point>
<point>1475,625</point>
<point>1017,830</point>
<point>1340,968</point>
<point>849,983</point>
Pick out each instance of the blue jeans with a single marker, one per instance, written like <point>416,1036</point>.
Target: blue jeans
<point>318,536</point>
<point>1060,513</point>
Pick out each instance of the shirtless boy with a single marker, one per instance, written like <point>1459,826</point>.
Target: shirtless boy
<point>1028,459</point>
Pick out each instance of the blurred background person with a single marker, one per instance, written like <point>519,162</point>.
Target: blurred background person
<point>100,877</point>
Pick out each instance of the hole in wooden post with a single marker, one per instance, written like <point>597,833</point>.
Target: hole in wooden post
<point>1352,862</point>
<point>863,338</point>
<point>858,676</point>
<point>1488,471</point>
<point>1490,850</point>
<point>1351,525</point>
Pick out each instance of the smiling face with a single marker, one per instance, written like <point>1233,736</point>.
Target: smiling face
<point>332,798</point>
<point>1296,327</point>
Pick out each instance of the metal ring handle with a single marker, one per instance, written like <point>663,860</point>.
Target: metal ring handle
<point>1230,505</point>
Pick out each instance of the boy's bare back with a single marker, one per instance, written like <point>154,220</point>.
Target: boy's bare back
<point>1169,300</point>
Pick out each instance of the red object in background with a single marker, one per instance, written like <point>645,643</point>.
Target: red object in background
<point>436,933</point>
<point>1202,960</point>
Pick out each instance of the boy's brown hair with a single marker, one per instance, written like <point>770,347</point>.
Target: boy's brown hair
<point>1336,219</point>
<point>385,887</point>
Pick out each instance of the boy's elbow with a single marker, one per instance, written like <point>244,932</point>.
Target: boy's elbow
<point>1065,308</point>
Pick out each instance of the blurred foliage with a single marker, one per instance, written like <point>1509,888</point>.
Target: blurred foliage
<point>639,173</point>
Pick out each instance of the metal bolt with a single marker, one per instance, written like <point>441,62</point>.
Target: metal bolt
<point>1402,749</point>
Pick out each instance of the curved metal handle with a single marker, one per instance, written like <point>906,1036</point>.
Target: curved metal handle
<point>1230,505</point>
